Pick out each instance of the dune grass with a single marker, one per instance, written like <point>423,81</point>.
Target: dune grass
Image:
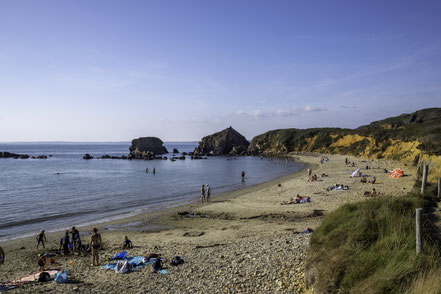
<point>369,247</point>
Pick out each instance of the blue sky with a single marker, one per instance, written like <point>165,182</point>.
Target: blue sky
<point>179,70</point>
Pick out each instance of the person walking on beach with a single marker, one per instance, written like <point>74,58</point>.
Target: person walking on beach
<point>208,192</point>
<point>203,193</point>
<point>41,237</point>
<point>243,176</point>
<point>95,242</point>
<point>154,170</point>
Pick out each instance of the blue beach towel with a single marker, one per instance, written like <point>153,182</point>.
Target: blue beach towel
<point>135,261</point>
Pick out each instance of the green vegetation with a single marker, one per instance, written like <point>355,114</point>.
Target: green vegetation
<point>369,247</point>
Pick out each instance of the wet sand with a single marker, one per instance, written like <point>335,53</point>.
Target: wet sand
<point>244,241</point>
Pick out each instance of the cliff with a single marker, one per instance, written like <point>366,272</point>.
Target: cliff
<point>226,142</point>
<point>412,137</point>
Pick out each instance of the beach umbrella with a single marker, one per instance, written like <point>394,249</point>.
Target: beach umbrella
<point>396,173</point>
<point>354,174</point>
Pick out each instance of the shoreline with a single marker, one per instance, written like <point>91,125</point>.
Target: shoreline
<point>245,240</point>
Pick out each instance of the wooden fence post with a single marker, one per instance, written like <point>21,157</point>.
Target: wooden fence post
<point>419,230</point>
<point>439,189</point>
<point>424,181</point>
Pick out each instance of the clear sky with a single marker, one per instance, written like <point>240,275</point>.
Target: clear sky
<point>117,70</point>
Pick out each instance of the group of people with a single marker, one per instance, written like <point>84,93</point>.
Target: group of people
<point>74,242</point>
<point>205,193</point>
<point>147,170</point>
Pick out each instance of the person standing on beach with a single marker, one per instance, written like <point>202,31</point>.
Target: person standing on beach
<point>208,191</point>
<point>2,256</point>
<point>154,170</point>
<point>309,172</point>
<point>76,241</point>
<point>203,193</point>
<point>64,242</point>
<point>95,242</point>
<point>147,170</point>
<point>243,176</point>
<point>41,237</point>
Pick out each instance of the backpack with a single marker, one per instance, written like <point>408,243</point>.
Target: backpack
<point>157,265</point>
<point>176,260</point>
<point>44,277</point>
<point>61,277</point>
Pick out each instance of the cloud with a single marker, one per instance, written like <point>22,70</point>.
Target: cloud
<point>260,114</point>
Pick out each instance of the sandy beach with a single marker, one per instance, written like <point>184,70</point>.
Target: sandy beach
<point>244,241</point>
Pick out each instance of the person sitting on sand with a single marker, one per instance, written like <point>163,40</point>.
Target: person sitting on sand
<point>127,244</point>
<point>373,193</point>
<point>363,180</point>
<point>95,242</point>
<point>42,262</point>
<point>374,180</point>
<point>40,237</point>
<point>324,175</point>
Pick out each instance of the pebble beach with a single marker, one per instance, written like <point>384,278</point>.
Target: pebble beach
<point>243,241</point>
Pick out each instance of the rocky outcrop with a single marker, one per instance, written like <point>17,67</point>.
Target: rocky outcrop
<point>87,156</point>
<point>146,148</point>
<point>226,142</point>
<point>175,150</point>
<point>13,155</point>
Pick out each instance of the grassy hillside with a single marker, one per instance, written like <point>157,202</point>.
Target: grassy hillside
<point>422,129</point>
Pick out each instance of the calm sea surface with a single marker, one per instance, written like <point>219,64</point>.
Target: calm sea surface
<point>64,190</point>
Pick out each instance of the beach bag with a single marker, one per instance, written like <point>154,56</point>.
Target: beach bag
<point>121,267</point>
<point>157,265</point>
<point>176,260</point>
<point>61,277</point>
<point>44,277</point>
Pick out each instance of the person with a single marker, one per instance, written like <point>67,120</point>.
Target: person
<point>374,180</point>
<point>309,172</point>
<point>243,176</point>
<point>203,193</point>
<point>127,243</point>
<point>157,265</point>
<point>154,170</point>
<point>363,180</point>
<point>76,241</point>
<point>346,161</point>
<point>64,242</point>
<point>41,237</point>
<point>208,191</point>
<point>41,261</point>
<point>373,193</point>
<point>147,170</point>
<point>2,256</point>
<point>95,242</point>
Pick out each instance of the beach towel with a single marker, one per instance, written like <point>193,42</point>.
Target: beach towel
<point>33,277</point>
<point>354,174</point>
<point>122,267</point>
<point>135,262</point>
<point>396,173</point>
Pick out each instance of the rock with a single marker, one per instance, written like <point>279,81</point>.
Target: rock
<point>226,142</point>
<point>87,156</point>
<point>175,150</point>
<point>13,155</point>
<point>147,148</point>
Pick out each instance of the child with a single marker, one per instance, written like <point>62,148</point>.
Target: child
<point>40,237</point>
<point>127,243</point>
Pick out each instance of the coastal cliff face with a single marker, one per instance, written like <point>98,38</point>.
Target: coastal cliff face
<point>226,142</point>
<point>414,137</point>
<point>146,147</point>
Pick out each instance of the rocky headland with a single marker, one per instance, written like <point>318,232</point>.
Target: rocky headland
<point>146,148</point>
<point>225,142</point>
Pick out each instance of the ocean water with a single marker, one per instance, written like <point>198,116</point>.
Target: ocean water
<point>65,190</point>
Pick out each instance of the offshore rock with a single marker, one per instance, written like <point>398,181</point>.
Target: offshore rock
<point>13,155</point>
<point>146,148</point>
<point>87,156</point>
<point>226,142</point>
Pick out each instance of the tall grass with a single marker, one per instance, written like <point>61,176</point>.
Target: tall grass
<point>369,247</point>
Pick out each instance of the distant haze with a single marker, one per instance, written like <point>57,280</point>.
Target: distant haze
<point>180,70</point>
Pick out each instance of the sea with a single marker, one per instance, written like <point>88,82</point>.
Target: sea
<point>64,190</point>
